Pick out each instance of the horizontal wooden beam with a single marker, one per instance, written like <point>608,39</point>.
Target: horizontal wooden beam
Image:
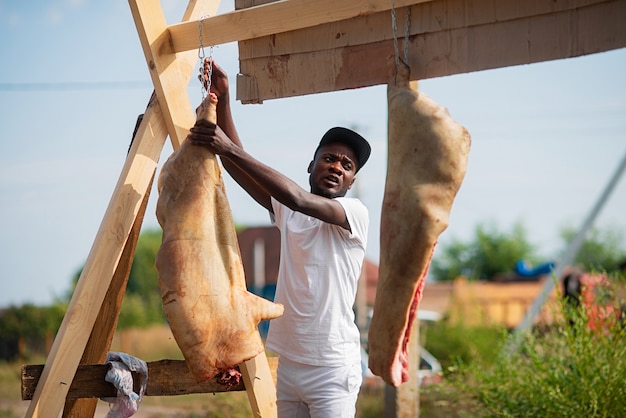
<point>272,18</point>
<point>165,378</point>
<point>436,16</point>
<point>446,37</point>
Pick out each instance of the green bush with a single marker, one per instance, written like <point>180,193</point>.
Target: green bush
<point>569,370</point>
<point>457,343</point>
<point>30,321</point>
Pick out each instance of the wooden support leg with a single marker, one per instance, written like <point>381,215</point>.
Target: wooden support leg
<point>260,386</point>
<point>102,333</point>
<point>71,340</point>
<point>404,401</point>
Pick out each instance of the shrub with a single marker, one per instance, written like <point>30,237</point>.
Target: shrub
<point>458,343</point>
<point>571,369</point>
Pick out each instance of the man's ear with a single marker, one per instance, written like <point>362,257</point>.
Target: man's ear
<point>351,183</point>
<point>310,168</point>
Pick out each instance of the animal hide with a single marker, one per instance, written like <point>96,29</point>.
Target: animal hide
<point>211,314</point>
<point>427,160</point>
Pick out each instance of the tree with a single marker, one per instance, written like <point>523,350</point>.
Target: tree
<point>491,252</point>
<point>27,323</point>
<point>141,305</point>
<point>29,320</point>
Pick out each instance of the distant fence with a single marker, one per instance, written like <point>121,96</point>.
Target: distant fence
<point>489,303</point>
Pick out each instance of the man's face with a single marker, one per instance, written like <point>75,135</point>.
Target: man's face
<point>332,171</point>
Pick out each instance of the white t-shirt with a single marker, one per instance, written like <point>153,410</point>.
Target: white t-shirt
<point>320,265</point>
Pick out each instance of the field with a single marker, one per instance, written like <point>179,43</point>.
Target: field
<point>157,343</point>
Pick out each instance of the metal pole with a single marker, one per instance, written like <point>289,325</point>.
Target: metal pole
<point>568,258</point>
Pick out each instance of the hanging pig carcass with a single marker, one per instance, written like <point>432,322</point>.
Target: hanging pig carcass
<point>212,316</point>
<point>427,160</point>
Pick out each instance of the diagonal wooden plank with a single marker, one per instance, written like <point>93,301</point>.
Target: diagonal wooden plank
<point>272,18</point>
<point>105,253</point>
<point>170,83</point>
<point>104,328</point>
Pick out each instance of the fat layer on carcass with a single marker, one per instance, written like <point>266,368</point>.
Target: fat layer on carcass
<point>427,160</point>
<point>212,316</point>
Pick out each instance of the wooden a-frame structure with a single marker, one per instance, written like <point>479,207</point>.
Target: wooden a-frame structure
<point>347,41</point>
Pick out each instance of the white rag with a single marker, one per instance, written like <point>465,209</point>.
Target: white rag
<point>121,366</point>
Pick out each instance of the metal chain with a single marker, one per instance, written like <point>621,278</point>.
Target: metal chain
<point>407,32</point>
<point>205,85</point>
<point>394,28</point>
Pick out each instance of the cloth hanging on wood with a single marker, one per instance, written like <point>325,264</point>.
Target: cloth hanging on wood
<point>121,366</point>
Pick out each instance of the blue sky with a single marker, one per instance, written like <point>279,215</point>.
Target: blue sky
<point>546,138</point>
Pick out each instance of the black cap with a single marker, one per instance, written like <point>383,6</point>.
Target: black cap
<point>347,136</point>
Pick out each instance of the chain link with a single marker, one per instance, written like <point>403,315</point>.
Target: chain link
<point>407,32</point>
<point>394,28</point>
<point>205,83</point>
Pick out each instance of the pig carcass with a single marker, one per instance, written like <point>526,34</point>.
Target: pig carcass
<point>427,160</point>
<point>212,316</point>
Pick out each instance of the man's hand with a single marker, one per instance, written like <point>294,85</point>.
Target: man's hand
<point>211,136</point>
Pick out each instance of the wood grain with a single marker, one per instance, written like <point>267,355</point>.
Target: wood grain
<point>165,378</point>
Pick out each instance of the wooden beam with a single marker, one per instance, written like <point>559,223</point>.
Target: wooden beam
<point>437,15</point>
<point>70,342</point>
<point>104,328</point>
<point>94,281</point>
<point>447,37</point>
<point>404,401</point>
<point>259,377</point>
<point>272,18</point>
<point>170,83</point>
<point>165,378</point>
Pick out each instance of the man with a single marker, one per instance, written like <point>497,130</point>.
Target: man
<point>323,241</point>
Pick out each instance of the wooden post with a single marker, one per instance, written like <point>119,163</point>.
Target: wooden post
<point>102,333</point>
<point>260,386</point>
<point>404,401</point>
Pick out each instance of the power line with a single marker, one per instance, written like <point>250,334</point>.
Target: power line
<point>76,86</point>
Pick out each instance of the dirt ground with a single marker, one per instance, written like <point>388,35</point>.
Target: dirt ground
<point>10,409</point>
<point>18,409</point>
